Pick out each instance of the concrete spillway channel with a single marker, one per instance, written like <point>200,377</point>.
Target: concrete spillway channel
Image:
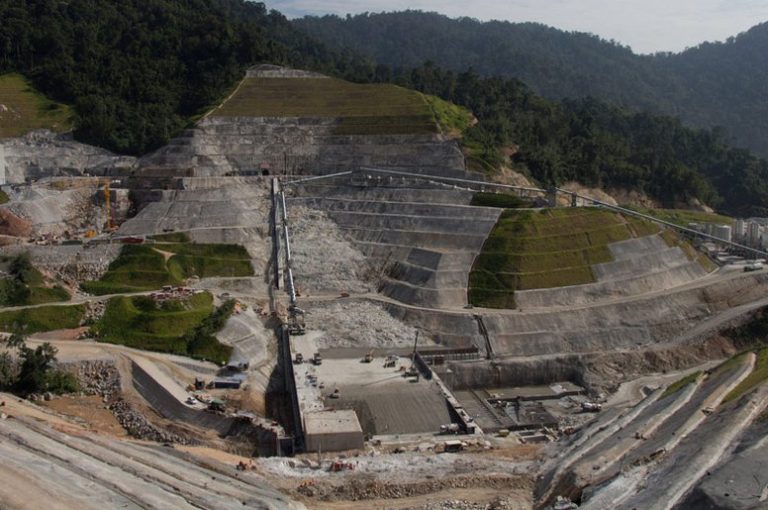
<point>168,406</point>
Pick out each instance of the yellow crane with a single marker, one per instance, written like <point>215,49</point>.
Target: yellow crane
<point>108,205</point>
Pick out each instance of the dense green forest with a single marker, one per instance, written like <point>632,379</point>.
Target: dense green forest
<point>138,72</point>
<point>714,84</point>
<point>600,145</point>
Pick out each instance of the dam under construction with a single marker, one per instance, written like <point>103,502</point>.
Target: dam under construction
<point>340,309</point>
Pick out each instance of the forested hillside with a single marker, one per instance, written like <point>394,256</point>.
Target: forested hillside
<point>137,70</point>
<point>715,84</point>
<point>598,144</point>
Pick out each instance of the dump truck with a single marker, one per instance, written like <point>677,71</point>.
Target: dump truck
<point>299,358</point>
<point>368,357</point>
<point>317,359</point>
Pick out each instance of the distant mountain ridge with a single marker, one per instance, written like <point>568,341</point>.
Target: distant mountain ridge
<point>714,84</point>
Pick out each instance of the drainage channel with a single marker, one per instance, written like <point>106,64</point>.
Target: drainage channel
<point>484,331</point>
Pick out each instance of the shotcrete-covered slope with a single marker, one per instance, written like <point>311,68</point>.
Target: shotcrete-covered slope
<point>422,236</point>
<point>44,154</point>
<point>44,467</point>
<point>283,121</point>
<point>654,455</point>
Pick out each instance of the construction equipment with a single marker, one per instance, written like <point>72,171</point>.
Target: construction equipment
<point>591,407</point>
<point>110,224</point>
<point>338,465</point>
<point>390,361</point>
<point>412,370</point>
<point>368,357</point>
<point>451,428</point>
<point>296,324</point>
<point>299,358</point>
<point>317,359</point>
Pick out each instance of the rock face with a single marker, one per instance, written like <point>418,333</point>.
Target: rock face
<point>44,153</point>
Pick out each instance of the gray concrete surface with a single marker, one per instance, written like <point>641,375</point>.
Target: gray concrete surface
<point>640,266</point>
<point>43,153</point>
<point>94,472</point>
<point>423,238</point>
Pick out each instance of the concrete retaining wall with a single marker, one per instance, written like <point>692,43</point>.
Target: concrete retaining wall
<point>640,266</point>
<point>293,145</point>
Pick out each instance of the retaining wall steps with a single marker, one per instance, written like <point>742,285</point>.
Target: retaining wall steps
<point>428,237</point>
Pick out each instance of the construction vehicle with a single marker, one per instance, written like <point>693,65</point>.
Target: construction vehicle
<point>562,503</point>
<point>338,465</point>
<point>753,266</point>
<point>336,394</point>
<point>451,428</point>
<point>299,358</point>
<point>453,446</point>
<point>296,324</point>
<point>317,359</point>
<point>591,407</point>
<point>391,361</point>
<point>368,357</point>
<point>216,406</point>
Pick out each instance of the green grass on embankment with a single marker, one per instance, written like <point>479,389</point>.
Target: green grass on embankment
<point>177,326</point>
<point>25,285</point>
<point>501,200</point>
<point>42,318</point>
<point>149,267</point>
<point>758,376</point>
<point>683,217</point>
<point>546,248</point>
<point>363,109</point>
<point>24,109</point>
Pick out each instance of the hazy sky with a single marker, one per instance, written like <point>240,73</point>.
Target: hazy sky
<point>645,25</point>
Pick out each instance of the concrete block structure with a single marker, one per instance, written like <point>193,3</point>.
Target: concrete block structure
<point>332,431</point>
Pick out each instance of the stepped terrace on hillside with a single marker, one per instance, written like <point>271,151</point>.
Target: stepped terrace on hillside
<point>284,121</point>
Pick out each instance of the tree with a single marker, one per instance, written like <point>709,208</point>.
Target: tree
<point>35,372</point>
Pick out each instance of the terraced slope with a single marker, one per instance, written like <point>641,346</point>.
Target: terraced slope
<point>595,254</point>
<point>23,109</point>
<point>284,121</point>
<point>149,267</point>
<point>91,471</point>
<point>653,456</point>
<point>368,109</point>
<point>422,236</point>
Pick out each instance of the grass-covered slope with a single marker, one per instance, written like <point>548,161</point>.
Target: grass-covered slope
<point>148,267</point>
<point>43,318</point>
<point>362,109</point>
<point>758,376</point>
<point>25,285</point>
<point>546,248</point>
<point>683,217</point>
<point>23,109</point>
<point>169,326</point>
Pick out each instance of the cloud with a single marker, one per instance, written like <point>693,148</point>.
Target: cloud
<point>646,25</point>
